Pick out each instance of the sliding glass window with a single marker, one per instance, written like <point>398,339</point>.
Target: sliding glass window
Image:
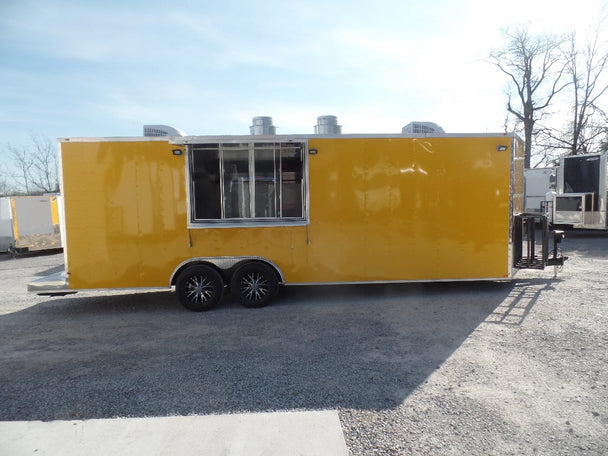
<point>247,182</point>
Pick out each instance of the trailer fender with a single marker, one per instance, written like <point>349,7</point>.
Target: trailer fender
<point>225,266</point>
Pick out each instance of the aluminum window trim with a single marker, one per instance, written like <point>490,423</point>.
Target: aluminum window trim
<point>248,222</point>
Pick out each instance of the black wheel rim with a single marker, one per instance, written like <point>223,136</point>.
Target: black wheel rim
<point>254,286</point>
<point>199,290</point>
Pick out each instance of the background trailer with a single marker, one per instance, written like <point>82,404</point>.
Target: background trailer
<point>29,223</point>
<point>253,212</point>
<point>582,192</point>
<point>538,182</point>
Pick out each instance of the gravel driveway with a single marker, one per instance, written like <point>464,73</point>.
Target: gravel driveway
<point>466,368</point>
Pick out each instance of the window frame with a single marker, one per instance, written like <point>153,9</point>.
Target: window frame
<point>246,222</point>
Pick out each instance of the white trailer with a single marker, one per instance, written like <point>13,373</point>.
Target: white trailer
<point>537,183</point>
<point>29,223</point>
<point>582,192</point>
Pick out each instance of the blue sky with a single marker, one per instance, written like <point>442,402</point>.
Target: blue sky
<point>90,68</point>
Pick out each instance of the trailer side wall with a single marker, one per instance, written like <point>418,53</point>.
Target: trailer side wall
<point>380,209</point>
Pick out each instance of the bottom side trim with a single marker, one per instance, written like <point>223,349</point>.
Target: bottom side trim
<point>380,282</point>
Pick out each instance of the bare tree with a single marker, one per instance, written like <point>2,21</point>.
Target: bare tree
<point>22,167</point>
<point>536,69</point>
<point>5,187</point>
<point>604,145</point>
<point>44,165</point>
<point>35,169</point>
<point>587,72</point>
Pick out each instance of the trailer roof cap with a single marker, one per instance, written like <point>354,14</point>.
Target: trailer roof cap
<point>422,128</point>
<point>162,130</point>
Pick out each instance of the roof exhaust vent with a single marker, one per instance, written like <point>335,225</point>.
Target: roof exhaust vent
<point>421,128</point>
<point>328,125</point>
<point>162,130</point>
<point>262,125</point>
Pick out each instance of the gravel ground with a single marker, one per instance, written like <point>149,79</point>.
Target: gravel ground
<point>468,368</point>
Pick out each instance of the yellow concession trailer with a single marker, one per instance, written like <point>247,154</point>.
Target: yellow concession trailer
<point>249,213</point>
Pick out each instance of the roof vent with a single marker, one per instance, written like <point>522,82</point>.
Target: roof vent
<point>262,125</point>
<point>328,125</point>
<point>162,130</point>
<point>421,128</point>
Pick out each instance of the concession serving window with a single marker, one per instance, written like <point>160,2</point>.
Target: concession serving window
<point>249,182</point>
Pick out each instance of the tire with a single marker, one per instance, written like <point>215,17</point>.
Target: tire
<point>199,288</point>
<point>254,284</point>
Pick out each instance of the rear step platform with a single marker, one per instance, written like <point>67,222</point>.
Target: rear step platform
<point>525,232</point>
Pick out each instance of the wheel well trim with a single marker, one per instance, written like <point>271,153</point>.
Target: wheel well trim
<point>224,264</point>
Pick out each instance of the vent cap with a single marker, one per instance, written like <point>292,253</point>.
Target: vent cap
<point>328,125</point>
<point>262,125</point>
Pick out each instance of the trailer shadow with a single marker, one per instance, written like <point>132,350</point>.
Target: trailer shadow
<point>49,271</point>
<point>518,304</point>
<point>321,347</point>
